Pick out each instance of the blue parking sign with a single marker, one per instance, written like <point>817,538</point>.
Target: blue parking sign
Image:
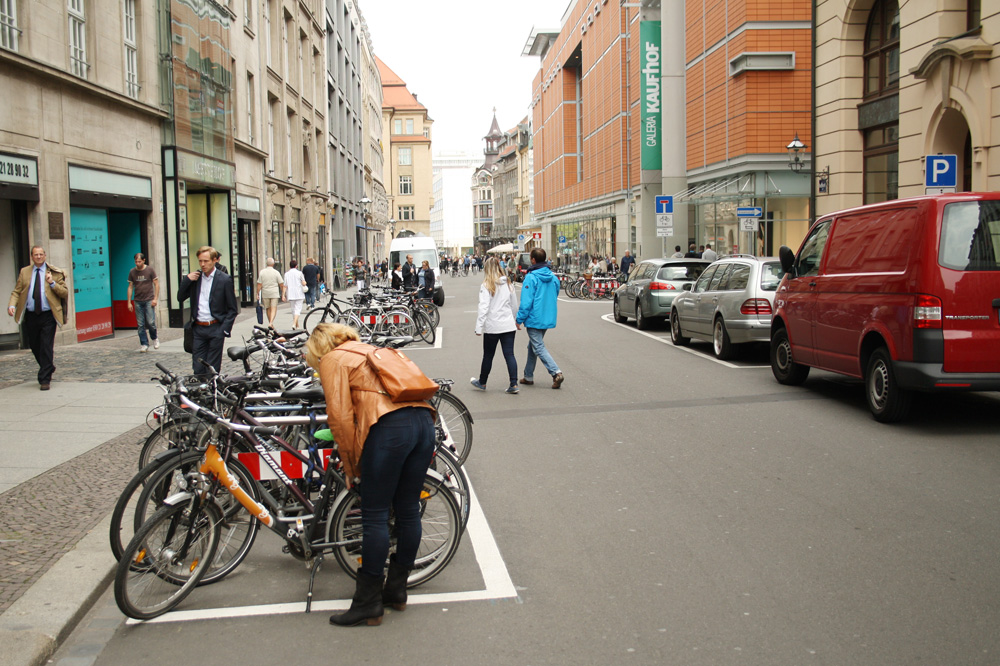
<point>941,171</point>
<point>664,204</point>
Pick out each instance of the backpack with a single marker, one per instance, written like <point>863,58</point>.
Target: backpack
<point>402,380</point>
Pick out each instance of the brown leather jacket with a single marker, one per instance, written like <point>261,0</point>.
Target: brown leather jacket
<point>354,402</point>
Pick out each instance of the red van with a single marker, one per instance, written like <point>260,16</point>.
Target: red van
<point>904,294</point>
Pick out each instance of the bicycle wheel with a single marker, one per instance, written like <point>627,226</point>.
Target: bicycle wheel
<point>316,316</point>
<point>447,465</point>
<point>238,528</point>
<point>425,329</point>
<point>456,420</point>
<point>122,524</point>
<point>396,322</point>
<point>431,310</point>
<point>178,433</point>
<point>440,525</point>
<point>157,571</point>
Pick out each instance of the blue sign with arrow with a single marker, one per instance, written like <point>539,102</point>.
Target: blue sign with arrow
<point>749,211</point>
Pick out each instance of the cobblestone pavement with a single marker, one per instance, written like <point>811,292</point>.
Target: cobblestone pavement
<point>44,517</point>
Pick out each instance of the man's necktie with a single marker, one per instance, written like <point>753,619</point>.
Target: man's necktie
<point>37,297</point>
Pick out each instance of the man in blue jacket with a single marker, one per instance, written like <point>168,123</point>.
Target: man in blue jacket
<point>538,314</point>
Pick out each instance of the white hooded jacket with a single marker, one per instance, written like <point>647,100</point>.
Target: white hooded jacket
<point>496,311</point>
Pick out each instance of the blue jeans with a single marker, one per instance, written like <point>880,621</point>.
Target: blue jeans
<point>145,317</point>
<point>311,295</point>
<point>506,341</point>
<point>394,463</point>
<point>537,351</point>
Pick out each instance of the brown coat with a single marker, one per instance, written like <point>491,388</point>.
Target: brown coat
<point>55,294</point>
<point>354,402</point>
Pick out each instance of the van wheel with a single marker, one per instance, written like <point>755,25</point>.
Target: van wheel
<point>641,321</point>
<point>721,344</point>
<point>675,330</point>
<point>438,297</point>
<point>619,317</point>
<point>784,369</point>
<point>887,401</point>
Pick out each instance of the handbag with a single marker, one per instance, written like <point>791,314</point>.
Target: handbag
<point>305,289</point>
<point>400,377</point>
<point>260,313</point>
<point>189,339</point>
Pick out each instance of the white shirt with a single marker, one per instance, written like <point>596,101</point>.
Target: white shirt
<point>204,312</point>
<point>293,284</point>
<point>496,311</point>
<point>709,254</point>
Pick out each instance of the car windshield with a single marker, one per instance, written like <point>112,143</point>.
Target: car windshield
<point>419,256</point>
<point>681,272</point>
<point>770,275</point>
<point>970,236</point>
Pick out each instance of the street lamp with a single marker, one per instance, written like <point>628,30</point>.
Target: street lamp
<point>795,148</point>
<point>366,206</point>
<point>392,228</point>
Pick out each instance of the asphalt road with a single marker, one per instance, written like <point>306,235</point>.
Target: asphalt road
<point>660,508</point>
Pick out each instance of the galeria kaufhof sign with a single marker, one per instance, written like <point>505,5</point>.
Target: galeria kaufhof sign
<point>649,37</point>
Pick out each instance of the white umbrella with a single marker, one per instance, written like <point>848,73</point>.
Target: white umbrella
<point>506,247</point>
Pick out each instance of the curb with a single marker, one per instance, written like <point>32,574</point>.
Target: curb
<point>34,626</point>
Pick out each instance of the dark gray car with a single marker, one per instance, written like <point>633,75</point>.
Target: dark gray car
<point>651,288</point>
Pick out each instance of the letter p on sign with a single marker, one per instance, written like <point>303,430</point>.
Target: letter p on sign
<point>941,171</point>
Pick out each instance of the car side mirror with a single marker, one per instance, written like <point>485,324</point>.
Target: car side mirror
<point>787,258</point>
<point>687,286</point>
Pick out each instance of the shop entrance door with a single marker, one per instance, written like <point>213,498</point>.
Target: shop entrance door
<point>13,257</point>
<point>124,241</point>
<point>248,230</point>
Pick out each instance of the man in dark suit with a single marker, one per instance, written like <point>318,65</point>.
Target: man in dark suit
<point>213,309</point>
<point>38,302</point>
<point>409,273</point>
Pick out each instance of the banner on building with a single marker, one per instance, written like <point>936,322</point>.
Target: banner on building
<point>649,38</point>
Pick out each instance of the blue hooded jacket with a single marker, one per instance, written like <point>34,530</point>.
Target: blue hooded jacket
<point>538,298</point>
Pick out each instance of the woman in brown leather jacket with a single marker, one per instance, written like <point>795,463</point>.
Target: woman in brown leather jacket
<point>385,445</point>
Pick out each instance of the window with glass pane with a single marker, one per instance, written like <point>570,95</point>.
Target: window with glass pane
<point>881,164</point>
<point>973,14</point>
<point>405,156</point>
<point>406,213</point>
<point>251,110</point>
<point>8,25</point>
<point>77,38</point>
<point>397,126</point>
<point>882,48</point>
<point>409,125</point>
<point>131,51</point>
<point>406,184</point>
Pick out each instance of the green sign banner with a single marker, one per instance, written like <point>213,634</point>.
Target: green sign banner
<point>649,38</point>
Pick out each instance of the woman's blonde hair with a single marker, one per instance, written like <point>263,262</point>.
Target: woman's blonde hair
<point>493,274</point>
<point>324,339</point>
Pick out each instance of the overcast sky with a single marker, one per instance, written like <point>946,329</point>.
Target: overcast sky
<point>462,58</point>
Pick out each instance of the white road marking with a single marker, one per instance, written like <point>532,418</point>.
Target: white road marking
<point>667,341</point>
<point>437,342</point>
<point>491,565</point>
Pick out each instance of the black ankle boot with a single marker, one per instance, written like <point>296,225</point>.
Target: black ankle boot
<point>366,605</point>
<point>394,592</point>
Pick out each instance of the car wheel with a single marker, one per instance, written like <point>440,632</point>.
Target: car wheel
<point>619,317</point>
<point>888,402</point>
<point>721,344</point>
<point>641,321</point>
<point>675,330</point>
<point>783,367</point>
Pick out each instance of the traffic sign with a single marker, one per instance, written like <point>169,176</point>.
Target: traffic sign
<point>664,224</point>
<point>749,211</point>
<point>536,235</point>
<point>562,239</point>
<point>941,171</point>
<point>583,236</point>
<point>520,238</point>
<point>749,224</point>
<point>664,204</point>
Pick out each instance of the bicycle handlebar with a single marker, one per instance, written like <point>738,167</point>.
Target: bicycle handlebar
<point>212,417</point>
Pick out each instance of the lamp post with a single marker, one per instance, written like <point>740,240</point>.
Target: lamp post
<point>797,165</point>
<point>366,204</point>
<point>795,148</point>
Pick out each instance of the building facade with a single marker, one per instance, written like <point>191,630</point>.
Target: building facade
<point>376,208</point>
<point>742,55</point>
<point>896,82</point>
<point>482,187</point>
<point>406,130</point>
<point>451,216</point>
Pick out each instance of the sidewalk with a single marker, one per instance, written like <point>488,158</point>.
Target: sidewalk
<point>66,455</point>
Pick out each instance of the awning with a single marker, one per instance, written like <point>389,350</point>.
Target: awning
<point>713,189</point>
<point>499,249</point>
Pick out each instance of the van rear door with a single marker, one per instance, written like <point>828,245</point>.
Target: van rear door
<point>969,256</point>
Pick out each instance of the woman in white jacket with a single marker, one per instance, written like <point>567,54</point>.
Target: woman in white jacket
<point>497,308</point>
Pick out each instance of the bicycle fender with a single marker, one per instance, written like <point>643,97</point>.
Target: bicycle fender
<point>178,498</point>
<point>164,455</point>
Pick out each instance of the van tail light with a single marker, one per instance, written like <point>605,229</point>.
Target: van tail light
<point>756,306</point>
<point>927,313</point>
<point>661,286</point>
